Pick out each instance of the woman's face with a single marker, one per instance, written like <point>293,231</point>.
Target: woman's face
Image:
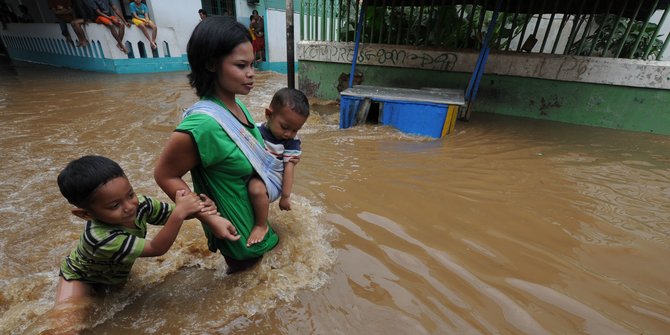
<point>236,71</point>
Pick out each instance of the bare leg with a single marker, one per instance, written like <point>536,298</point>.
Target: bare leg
<point>72,290</point>
<point>154,33</point>
<point>145,31</point>
<point>118,31</point>
<point>77,26</point>
<point>258,194</point>
<point>115,34</point>
<point>70,314</point>
<point>122,30</point>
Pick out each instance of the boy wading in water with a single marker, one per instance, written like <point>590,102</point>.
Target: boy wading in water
<point>116,226</point>
<point>288,111</point>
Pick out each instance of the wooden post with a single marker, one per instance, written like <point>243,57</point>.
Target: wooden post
<point>290,62</point>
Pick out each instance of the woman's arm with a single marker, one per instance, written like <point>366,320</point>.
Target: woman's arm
<point>178,157</point>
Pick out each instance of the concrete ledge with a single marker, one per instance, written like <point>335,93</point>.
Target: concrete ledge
<point>596,70</point>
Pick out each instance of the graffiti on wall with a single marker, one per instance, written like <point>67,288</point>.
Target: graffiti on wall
<point>384,55</point>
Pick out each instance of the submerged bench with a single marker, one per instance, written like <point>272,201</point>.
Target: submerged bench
<point>428,112</point>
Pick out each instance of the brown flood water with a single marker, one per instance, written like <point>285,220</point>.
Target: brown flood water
<point>507,226</point>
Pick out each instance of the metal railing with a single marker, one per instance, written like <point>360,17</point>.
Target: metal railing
<point>600,28</point>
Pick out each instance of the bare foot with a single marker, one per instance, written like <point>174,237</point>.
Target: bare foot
<point>257,234</point>
<point>153,45</point>
<point>122,48</point>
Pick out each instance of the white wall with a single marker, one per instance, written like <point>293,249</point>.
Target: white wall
<point>179,14</point>
<point>243,11</point>
<point>95,33</point>
<point>275,29</point>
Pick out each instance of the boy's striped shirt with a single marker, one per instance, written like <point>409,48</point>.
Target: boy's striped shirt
<point>106,253</point>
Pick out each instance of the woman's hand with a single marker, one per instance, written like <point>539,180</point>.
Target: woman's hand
<point>209,205</point>
<point>221,227</point>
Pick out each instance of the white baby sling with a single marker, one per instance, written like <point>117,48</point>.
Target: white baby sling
<point>268,167</point>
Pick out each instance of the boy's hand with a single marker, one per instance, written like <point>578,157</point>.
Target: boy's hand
<point>285,203</point>
<point>186,204</point>
<point>222,228</point>
<point>209,207</point>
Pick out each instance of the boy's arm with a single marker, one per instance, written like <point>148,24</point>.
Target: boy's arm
<point>187,204</point>
<point>287,186</point>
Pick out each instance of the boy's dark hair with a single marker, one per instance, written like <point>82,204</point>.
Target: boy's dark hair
<point>211,40</point>
<point>202,11</point>
<point>81,177</point>
<point>291,98</point>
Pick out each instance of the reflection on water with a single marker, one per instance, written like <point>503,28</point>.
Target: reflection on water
<point>507,226</point>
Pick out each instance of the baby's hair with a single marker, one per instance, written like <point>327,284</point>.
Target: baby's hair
<point>81,177</point>
<point>291,98</point>
<point>212,39</point>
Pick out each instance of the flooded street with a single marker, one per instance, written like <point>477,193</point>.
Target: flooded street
<point>506,226</point>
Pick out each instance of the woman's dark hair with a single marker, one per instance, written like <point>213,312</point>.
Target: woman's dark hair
<point>81,177</point>
<point>211,40</point>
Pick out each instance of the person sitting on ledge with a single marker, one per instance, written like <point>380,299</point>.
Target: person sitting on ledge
<point>140,13</point>
<point>65,12</point>
<point>104,11</point>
